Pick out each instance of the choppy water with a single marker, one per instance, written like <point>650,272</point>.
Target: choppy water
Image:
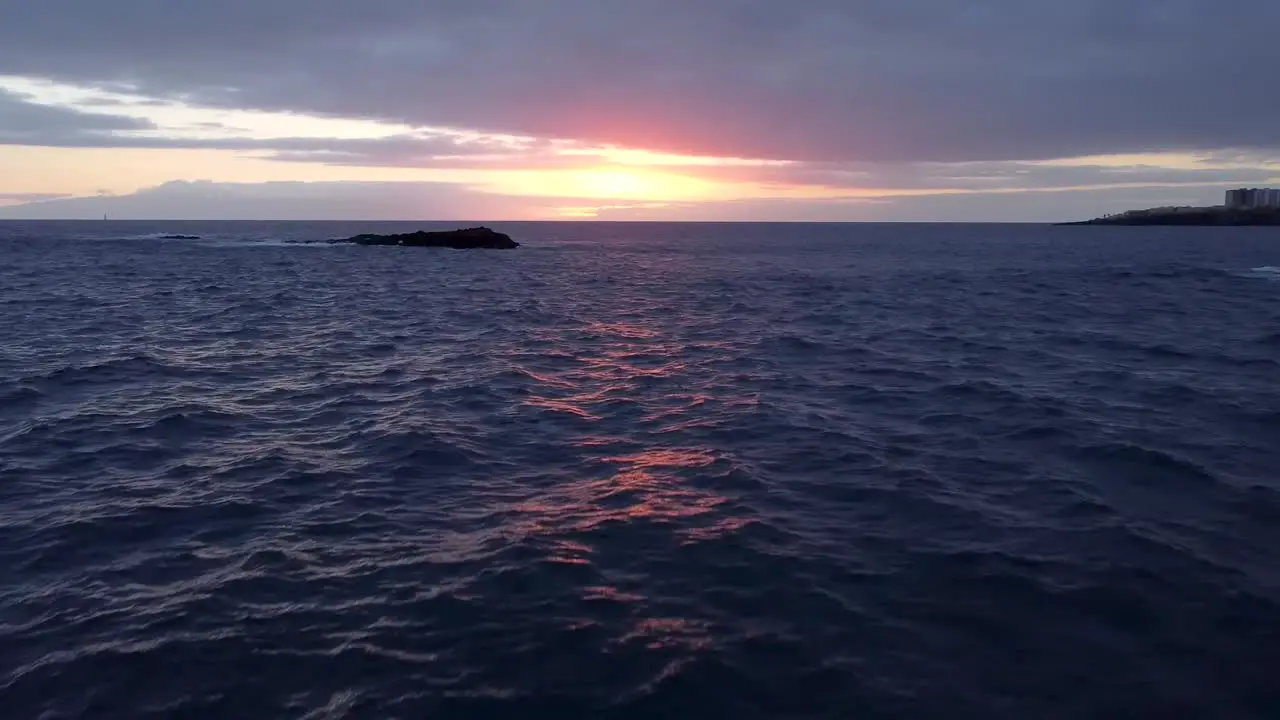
<point>640,471</point>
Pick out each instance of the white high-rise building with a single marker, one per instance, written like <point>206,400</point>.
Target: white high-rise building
<point>1247,198</point>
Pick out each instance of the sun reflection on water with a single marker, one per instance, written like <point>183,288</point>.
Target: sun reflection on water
<point>623,355</point>
<point>644,486</point>
<point>628,411</point>
<point>666,633</point>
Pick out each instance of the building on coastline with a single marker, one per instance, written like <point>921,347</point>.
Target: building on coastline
<point>1247,198</point>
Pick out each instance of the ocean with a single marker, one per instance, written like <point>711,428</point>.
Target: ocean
<point>639,471</point>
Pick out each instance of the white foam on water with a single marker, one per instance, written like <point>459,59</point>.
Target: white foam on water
<point>1266,272</point>
<point>159,236</point>
<point>269,242</point>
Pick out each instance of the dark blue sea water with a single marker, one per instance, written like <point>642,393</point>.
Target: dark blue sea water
<point>640,471</point>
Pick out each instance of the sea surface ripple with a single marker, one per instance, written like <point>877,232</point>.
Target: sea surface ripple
<point>639,471</point>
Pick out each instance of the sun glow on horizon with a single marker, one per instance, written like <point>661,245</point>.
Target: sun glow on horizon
<point>537,176</point>
<point>604,183</point>
<point>619,184</point>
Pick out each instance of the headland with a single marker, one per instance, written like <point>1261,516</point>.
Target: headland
<point>1242,207</point>
<point>1214,216</point>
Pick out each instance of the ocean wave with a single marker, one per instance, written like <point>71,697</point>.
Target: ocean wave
<point>18,394</point>
<point>1171,272</point>
<point>139,366</point>
<point>1144,463</point>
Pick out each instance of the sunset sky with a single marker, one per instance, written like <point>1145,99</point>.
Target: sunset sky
<point>633,109</point>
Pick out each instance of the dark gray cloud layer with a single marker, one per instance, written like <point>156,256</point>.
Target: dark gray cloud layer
<point>26,123</point>
<point>857,80</point>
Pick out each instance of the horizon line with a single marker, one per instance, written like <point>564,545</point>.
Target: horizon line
<point>563,221</point>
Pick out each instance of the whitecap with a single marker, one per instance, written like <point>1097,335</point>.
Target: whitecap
<point>1269,272</point>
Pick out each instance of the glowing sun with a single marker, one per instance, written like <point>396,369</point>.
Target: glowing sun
<point>615,184</point>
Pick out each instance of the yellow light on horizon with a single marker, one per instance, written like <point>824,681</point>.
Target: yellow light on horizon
<point>617,183</point>
<point>603,183</point>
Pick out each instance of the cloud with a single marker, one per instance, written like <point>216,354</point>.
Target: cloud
<point>205,200</point>
<point>927,177</point>
<point>961,207</point>
<point>28,197</point>
<point>402,150</point>
<point>28,123</point>
<point>874,80</point>
<point>883,106</point>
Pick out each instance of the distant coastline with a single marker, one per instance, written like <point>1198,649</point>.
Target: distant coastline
<point>1216,216</point>
<point>1243,207</point>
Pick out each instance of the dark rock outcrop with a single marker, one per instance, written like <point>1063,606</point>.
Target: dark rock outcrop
<point>468,239</point>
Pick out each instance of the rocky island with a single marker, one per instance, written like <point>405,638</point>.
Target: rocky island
<point>477,238</point>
